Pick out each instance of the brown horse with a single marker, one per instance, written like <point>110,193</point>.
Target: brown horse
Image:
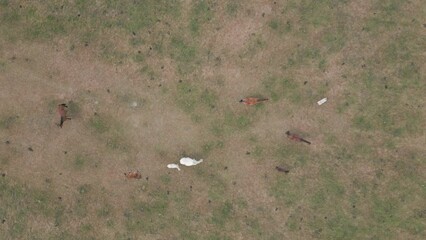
<point>133,175</point>
<point>252,101</point>
<point>296,137</point>
<point>63,110</point>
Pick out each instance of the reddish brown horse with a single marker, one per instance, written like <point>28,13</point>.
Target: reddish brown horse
<point>252,101</point>
<point>296,137</point>
<point>133,175</point>
<point>63,110</point>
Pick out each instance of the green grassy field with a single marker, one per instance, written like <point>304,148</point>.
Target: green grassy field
<point>150,81</point>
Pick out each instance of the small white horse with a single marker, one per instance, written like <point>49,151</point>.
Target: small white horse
<point>189,161</point>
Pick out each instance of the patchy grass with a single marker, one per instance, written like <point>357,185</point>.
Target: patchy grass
<point>360,179</point>
<point>287,190</point>
<point>222,214</point>
<point>146,217</point>
<point>7,122</point>
<point>232,8</point>
<point>233,121</point>
<point>110,132</point>
<point>22,206</point>
<point>202,12</point>
<point>210,146</point>
<point>187,96</point>
<point>99,124</point>
<point>185,54</point>
<point>200,104</point>
<point>282,87</point>
<point>280,26</point>
<point>254,46</point>
<point>144,15</point>
<point>80,162</point>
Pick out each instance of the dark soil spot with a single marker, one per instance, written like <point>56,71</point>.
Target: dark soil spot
<point>225,168</point>
<point>305,82</point>
<point>3,174</point>
<point>247,153</point>
<point>7,142</point>
<point>60,198</point>
<point>65,152</point>
<point>30,149</point>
